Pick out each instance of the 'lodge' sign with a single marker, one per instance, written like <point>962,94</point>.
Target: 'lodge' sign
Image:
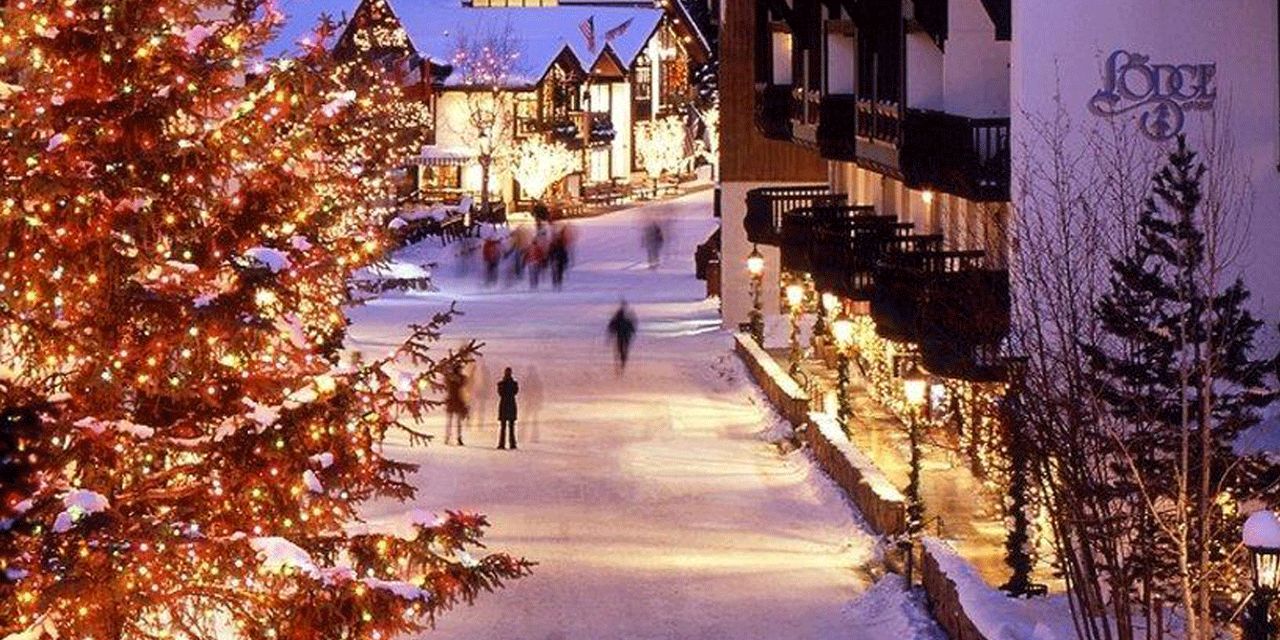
<point>1163,93</point>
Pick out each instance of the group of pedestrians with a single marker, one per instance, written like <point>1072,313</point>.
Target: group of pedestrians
<point>545,248</point>
<point>458,405</point>
<point>462,386</point>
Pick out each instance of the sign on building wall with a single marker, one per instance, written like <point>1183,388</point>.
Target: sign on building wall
<point>1161,94</point>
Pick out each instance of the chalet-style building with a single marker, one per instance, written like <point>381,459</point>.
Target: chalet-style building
<point>585,75</point>
<point>913,130</point>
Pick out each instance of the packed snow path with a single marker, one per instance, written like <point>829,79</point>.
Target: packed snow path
<point>652,501</point>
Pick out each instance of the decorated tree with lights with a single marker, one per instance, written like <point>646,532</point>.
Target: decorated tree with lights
<point>485,62</point>
<point>186,444</point>
<point>539,164</point>
<point>660,146</point>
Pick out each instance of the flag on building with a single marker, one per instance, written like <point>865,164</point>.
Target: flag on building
<point>617,31</point>
<point>588,28</point>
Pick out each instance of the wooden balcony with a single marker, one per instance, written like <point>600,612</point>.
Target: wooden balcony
<point>879,121</point>
<point>901,278</point>
<point>766,206</point>
<point>837,127</point>
<point>845,256</point>
<point>967,157</point>
<point>773,111</point>
<point>964,319</point>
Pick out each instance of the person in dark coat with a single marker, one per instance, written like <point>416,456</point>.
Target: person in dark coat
<point>508,388</point>
<point>622,328</point>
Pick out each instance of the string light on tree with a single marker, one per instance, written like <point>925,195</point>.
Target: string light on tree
<point>177,250</point>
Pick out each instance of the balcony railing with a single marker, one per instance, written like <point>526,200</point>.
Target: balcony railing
<point>837,127</point>
<point>967,157</point>
<point>766,206</point>
<point>801,226</point>
<point>880,120</point>
<point>845,255</point>
<point>964,318</point>
<point>773,111</point>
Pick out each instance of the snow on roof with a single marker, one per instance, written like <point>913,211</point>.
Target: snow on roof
<point>544,32</point>
<point>301,19</point>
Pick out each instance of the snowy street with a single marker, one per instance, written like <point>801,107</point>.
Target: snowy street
<point>653,502</point>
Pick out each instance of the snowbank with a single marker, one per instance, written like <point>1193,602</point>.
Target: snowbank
<point>970,609</point>
<point>785,394</point>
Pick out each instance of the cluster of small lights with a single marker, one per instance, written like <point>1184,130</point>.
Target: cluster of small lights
<point>176,240</point>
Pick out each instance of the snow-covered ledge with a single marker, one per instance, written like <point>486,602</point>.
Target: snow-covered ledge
<point>880,502</point>
<point>968,608</point>
<point>785,394</point>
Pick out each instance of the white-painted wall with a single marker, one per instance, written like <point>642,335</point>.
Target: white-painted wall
<point>622,144</point>
<point>1060,48</point>
<point>925,89</point>
<point>734,249</point>
<point>976,65</point>
<point>453,129</point>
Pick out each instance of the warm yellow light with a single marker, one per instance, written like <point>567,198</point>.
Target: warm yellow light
<point>915,386</point>
<point>842,331</point>
<point>830,301</point>
<point>755,263</point>
<point>795,295</point>
<point>926,197</point>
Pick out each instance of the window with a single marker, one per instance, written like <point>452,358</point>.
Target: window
<point>526,112</point>
<point>643,85</point>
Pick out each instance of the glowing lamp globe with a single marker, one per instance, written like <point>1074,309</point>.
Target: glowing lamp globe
<point>755,263</point>
<point>795,295</point>
<point>915,386</point>
<point>1262,539</point>
<point>842,331</point>
<point>830,302</point>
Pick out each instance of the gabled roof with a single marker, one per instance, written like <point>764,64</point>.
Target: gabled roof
<point>544,32</point>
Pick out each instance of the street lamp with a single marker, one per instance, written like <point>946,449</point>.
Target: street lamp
<point>842,332</point>
<point>1262,539</point>
<point>755,267</point>
<point>795,300</point>
<point>915,387</point>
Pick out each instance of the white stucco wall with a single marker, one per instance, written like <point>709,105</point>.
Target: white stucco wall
<point>925,89</point>
<point>976,65</point>
<point>621,109</point>
<point>454,130</point>
<point>1060,48</point>
<point>734,249</point>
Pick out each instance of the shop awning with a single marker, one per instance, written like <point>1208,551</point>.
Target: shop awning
<point>433,156</point>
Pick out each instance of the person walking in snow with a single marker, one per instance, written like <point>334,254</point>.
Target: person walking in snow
<point>508,389</point>
<point>622,329</point>
<point>455,403</point>
<point>558,256</point>
<point>492,253</point>
<point>653,243</point>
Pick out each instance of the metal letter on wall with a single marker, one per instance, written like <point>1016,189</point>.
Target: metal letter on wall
<point>1163,93</point>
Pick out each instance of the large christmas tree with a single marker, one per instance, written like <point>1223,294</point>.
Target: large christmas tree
<point>186,444</point>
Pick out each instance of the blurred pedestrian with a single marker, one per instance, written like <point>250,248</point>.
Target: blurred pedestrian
<point>492,253</point>
<point>508,389</point>
<point>455,402</point>
<point>536,261</point>
<point>533,398</point>
<point>653,243</point>
<point>558,255</point>
<point>520,241</point>
<point>622,329</point>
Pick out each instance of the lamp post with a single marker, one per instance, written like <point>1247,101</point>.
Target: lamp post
<point>915,387</point>
<point>826,307</point>
<point>755,267</point>
<point>1262,539</point>
<point>795,300</point>
<point>842,332</point>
